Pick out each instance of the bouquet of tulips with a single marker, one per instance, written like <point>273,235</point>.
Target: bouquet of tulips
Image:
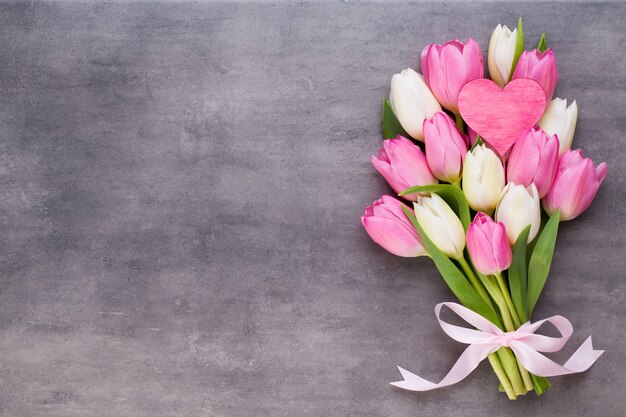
<point>477,197</point>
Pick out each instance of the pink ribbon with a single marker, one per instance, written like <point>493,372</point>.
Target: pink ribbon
<point>489,338</point>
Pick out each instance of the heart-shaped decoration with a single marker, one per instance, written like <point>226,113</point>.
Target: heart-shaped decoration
<point>500,117</point>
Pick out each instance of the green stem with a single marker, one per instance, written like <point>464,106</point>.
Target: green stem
<point>528,383</point>
<point>507,299</point>
<point>509,363</point>
<point>459,122</point>
<point>499,300</point>
<point>475,283</point>
<point>494,292</point>
<point>518,375</point>
<point>502,376</point>
<point>540,383</point>
<point>506,317</point>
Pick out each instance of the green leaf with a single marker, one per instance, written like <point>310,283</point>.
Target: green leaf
<point>542,45</point>
<point>451,195</point>
<point>479,141</point>
<point>540,260</point>
<point>518,282</point>
<point>531,246</point>
<point>519,46</point>
<point>391,125</point>
<point>456,280</point>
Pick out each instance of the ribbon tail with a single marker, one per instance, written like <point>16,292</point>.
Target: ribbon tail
<point>584,357</point>
<point>541,365</point>
<point>467,362</point>
<point>413,382</point>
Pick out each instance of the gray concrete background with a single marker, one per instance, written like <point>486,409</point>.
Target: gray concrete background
<point>181,186</point>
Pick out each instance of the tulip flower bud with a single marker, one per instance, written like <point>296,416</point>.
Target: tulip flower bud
<point>560,120</point>
<point>534,159</point>
<point>448,67</point>
<point>576,183</point>
<point>501,54</point>
<point>387,225</point>
<point>539,66</point>
<point>488,245</point>
<point>483,179</point>
<point>403,165</point>
<point>441,225</point>
<point>518,208</point>
<point>445,147</point>
<point>412,101</point>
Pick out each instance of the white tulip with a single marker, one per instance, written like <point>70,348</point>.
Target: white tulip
<point>519,207</point>
<point>483,179</point>
<point>501,53</point>
<point>441,225</point>
<point>560,119</point>
<point>412,102</point>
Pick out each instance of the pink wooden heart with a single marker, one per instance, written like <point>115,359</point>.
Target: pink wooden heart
<point>500,117</point>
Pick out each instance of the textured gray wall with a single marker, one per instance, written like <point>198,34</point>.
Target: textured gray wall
<point>181,186</point>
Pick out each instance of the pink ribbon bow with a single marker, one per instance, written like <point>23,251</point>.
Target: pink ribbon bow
<point>489,338</point>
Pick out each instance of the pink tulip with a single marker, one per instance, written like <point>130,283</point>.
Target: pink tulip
<point>472,135</point>
<point>488,245</point>
<point>388,226</point>
<point>539,66</point>
<point>403,165</point>
<point>534,159</point>
<point>448,67</point>
<point>576,183</point>
<point>445,147</point>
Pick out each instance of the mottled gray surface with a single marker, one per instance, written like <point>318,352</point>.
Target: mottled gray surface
<point>181,186</point>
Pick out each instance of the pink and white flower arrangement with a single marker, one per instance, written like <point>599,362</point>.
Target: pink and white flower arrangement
<point>477,208</point>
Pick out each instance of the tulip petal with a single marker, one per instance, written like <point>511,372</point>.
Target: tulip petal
<point>601,172</point>
<point>388,173</point>
<point>479,248</point>
<point>448,67</point>
<point>395,207</point>
<point>409,162</point>
<point>393,236</point>
<point>502,252</point>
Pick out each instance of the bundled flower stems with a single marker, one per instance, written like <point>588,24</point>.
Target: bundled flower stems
<point>484,172</point>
